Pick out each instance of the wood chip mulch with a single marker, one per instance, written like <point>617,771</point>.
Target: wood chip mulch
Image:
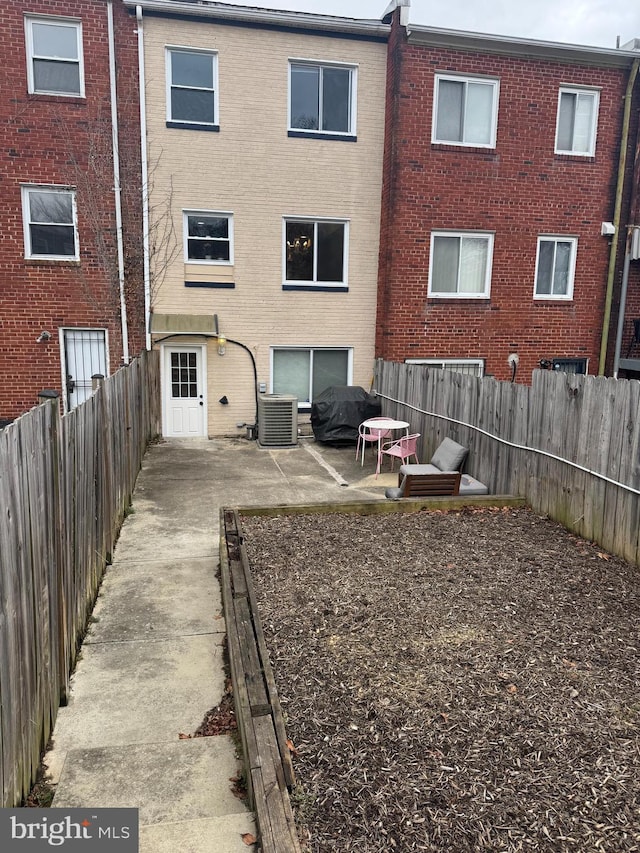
<point>453,681</point>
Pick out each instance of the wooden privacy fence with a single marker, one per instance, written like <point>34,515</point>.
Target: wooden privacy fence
<point>65,485</point>
<point>568,444</point>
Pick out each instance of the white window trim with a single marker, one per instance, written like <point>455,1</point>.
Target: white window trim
<point>463,78</point>
<point>168,81</point>
<point>185,236</point>
<point>345,256</point>
<point>557,297</point>
<point>579,90</point>
<point>443,362</point>
<point>303,404</point>
<point>486,293</point>
<point>53,20</point>
<point>26,222</point>
<point>353,99</point>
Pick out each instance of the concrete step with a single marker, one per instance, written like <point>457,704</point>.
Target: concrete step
<point>177,782</point>
<point>207,835</point>
<point>133,693</point>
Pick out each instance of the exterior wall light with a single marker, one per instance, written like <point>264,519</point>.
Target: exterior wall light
<point>222,342</point>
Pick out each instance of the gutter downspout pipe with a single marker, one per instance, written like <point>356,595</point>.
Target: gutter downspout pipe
<point>116,183</point>
<point>604,341</point>
<point>627,260</point>
<point>145,179</point>
<point>623,304</point>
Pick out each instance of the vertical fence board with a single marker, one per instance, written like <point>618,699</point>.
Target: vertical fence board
<point>35,485</point>
<point>23,613</point>
<point>488,421</point>
<point>618,394</point>
<point>468,413</point>
<point>10,651</point>
<point>566,445</point>
<point>593,446</point>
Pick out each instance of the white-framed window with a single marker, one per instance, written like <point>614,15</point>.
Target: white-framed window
<point>470,366</point>
<point>322,98</point>
<point>460,264</point>
<point>315,252</point>
<point>192,87</point>
<point>208,237</point>
<point>465,111</point>
<point>555,267</point>
<point>50,223</point>
<point>577,121</point>
<point>306,372</point>
<point>54,56</point>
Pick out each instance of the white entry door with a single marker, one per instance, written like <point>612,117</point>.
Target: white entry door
<point>184,392</point>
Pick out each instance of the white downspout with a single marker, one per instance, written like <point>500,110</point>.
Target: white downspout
<point>116,183</point>
<point>145,178</point>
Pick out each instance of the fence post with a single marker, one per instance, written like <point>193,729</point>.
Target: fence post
<point>47,394</point>
<point>97,381</point>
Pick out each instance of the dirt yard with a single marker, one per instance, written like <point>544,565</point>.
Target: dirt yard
<point>463,681</point>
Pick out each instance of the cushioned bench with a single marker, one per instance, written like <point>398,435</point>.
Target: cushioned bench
<point>440,476</point>
<point>425,485</point>
<point>415,481</point>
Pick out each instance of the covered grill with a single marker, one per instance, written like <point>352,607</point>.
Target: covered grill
<point>338,411</point>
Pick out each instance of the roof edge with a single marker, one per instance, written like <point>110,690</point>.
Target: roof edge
<point>487,43</point>
<point>257,16</point>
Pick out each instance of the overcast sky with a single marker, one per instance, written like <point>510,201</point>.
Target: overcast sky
<point>586,22</point>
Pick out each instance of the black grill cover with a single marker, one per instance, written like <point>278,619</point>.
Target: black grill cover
<point>337,413</point>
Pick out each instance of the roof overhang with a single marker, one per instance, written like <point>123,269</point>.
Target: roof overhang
<point>182,324</point>
<point>523,48</point>
<point>222,12</point>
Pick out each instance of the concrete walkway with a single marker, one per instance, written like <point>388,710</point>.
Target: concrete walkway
<point>151,665</point>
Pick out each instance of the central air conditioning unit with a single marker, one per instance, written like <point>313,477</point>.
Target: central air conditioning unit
<point>277,420</point>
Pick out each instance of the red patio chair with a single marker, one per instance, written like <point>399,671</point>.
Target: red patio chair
<point>369,434</point>
<point>402,448</point>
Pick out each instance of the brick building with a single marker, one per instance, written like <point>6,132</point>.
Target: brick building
<point>499,200</point>
<point>71,293</point>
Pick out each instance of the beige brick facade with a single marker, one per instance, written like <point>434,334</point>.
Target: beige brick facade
<point>254,171</point>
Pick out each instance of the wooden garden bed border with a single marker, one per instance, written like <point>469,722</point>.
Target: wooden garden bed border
<point>267,757</point>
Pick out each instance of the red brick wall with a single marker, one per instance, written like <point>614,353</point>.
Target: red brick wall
<point>65,141</point>
<point>519,190</point>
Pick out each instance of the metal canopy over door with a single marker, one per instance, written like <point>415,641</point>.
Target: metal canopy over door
<point>85,355</point>
<point>184,388</point>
